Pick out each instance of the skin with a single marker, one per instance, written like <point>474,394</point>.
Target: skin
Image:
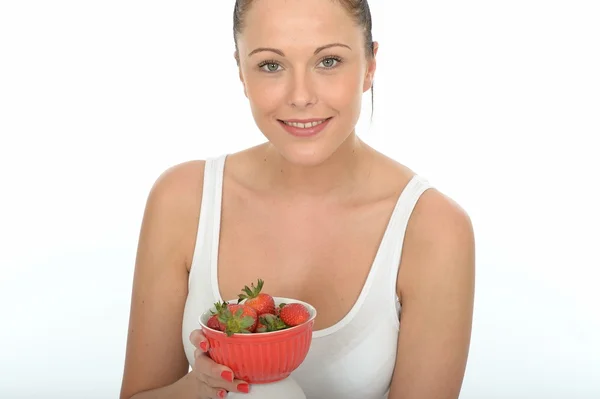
<point>320,205</point>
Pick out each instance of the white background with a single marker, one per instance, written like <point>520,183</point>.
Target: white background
<point>497,103</point>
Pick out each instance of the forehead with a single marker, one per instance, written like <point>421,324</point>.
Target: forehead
<point>298,23</point>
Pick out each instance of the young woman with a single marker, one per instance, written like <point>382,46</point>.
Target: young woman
<point>319,216</point>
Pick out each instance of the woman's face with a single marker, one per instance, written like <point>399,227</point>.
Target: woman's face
<point>301,61</point>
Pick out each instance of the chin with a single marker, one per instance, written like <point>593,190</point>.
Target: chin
<point>306,154</point>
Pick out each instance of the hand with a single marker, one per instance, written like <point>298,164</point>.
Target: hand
<point>214,380</point>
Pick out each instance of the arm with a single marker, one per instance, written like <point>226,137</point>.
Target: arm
<point>436,287</point>
<point>155,359</point>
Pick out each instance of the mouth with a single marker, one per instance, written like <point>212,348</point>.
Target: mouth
<point>303,123</point>
<point>304,127</point>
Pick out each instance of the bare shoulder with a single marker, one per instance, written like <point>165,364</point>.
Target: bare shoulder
<point>175,199</point>
<point>439,239</point>
<point>181,182</point>
<point>440,218</point>
<point>436,285</point>
<point>439,235</point>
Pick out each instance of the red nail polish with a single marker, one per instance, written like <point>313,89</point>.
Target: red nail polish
<point>227,375</point>
<point>243,388</point>
<point>204,346</point>
<point>221,393</point>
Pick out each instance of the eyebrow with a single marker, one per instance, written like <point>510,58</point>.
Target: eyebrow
<point>317,51</point>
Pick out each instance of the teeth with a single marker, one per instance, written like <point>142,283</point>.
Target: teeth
<point>304,125</point>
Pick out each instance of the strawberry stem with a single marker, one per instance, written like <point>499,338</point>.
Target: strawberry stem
<point>251,292</point>
<point>234,322</point>
<point>272,322</point>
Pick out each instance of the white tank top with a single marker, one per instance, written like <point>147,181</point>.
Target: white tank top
<point>353,359</point>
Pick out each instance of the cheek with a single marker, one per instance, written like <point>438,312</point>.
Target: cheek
<point>265,95</point>
<point>341,92</point>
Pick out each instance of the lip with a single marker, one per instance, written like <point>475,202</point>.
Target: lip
<point>308,132</point>
<point>304,120</point>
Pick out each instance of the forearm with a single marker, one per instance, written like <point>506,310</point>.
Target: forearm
<point>182,389</point>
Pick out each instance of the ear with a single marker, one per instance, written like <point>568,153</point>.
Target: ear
<point>371,67</point>
<point>237,61</point>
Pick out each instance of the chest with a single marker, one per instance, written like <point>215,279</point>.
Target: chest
<point>318,253</point>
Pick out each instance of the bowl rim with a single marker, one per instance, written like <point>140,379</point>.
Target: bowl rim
<point>278,300</point>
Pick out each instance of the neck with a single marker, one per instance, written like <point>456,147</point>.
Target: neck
<point>337,175</point>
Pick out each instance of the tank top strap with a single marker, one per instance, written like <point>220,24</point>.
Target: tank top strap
<point>393,239</point>
<point>209,224</point>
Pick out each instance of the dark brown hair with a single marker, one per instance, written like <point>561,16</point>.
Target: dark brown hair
<point>358,9</point>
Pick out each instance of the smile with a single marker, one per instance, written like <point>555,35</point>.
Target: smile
<point>306,125</point>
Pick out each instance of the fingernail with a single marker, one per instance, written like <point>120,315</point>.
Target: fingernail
<point>227,375</point>
<point>222,393</point>
<point>204,346</point>
<point>243,387</point>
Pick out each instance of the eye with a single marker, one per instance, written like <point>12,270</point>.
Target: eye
<point>330,62</point>
<point>271,66</point>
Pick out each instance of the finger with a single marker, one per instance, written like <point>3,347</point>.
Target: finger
<point>199,340</point>
<point>199,366</point>
<point>214,393</point>
<point>217,375</point>
<point>234,386</point>
<point>205,365</point>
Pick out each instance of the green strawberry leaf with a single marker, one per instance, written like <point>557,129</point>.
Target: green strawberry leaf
<point>246,322</point>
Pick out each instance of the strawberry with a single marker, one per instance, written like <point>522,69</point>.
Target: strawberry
<point>213,323</point>
<point>269,322</point>
<point>240,319</point>
<point>278,309</point>
<point>261,302</point>
<point>294,314</point>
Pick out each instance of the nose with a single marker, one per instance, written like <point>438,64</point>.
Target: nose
<point>302,92</point>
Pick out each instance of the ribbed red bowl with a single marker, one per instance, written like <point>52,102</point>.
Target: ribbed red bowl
<point>261,358</point>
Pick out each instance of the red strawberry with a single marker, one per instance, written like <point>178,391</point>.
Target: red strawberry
<point>261,302</point>
<point>213,323</point>
<point>239,319</point>
<point>278,308</point>
<point>294,314</point>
